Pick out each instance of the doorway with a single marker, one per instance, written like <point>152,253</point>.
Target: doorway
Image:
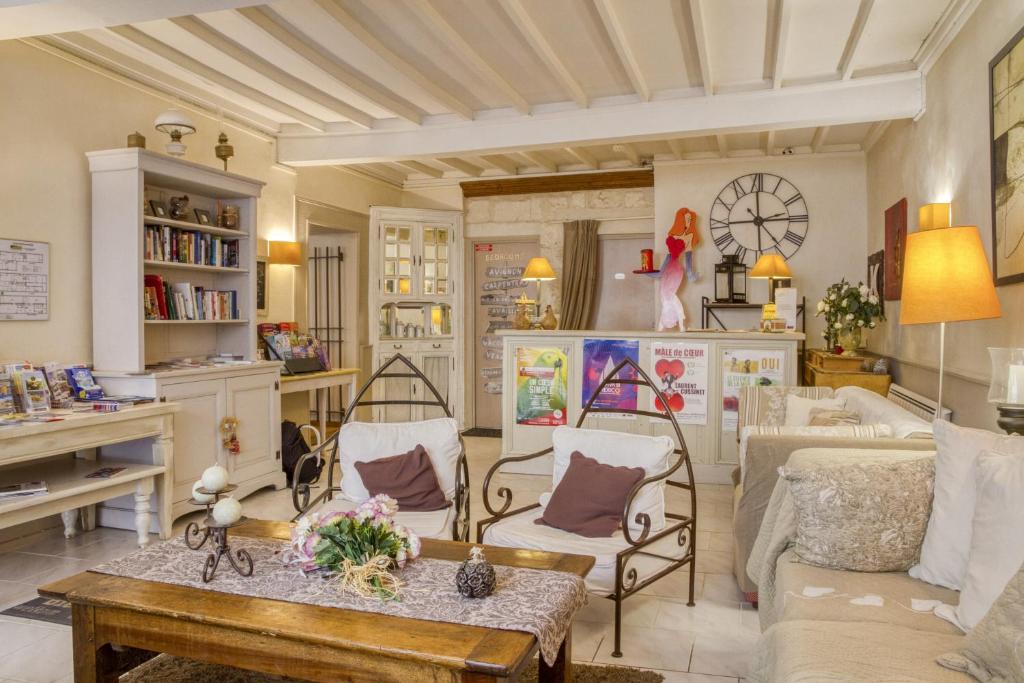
<point>497,268</point>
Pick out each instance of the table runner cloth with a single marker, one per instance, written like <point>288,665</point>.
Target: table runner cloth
<point>536,601</point>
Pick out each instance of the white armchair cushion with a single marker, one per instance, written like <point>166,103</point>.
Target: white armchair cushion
<point>798,408</point>
<point>652,453</point>
<point>368,441</point>
<point>429,524</point>
<point>877,409</point>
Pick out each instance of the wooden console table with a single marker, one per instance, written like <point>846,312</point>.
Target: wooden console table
<point>321,382</point>
<point>304,641</point>
<point>26,454</point>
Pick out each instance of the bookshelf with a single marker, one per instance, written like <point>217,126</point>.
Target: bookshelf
<point>124,182</point>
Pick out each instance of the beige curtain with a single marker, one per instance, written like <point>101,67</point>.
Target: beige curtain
<point>579,274</point>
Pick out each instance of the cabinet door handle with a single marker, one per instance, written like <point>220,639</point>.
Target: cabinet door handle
<point>396,346</point>
<point>436,346</point>
<point>278,454</point>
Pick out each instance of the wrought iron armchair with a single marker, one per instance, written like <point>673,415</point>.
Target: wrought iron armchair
<point>330,448</point>
<point>683,527</point>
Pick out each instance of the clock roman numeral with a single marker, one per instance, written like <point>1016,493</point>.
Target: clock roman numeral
<point>727,205</point>
<point>798,218</point>
<point>777,186</point>
<point>723,241</point>
<point>794,237</point>
<point>741,252</point>
<point>737,188</point>
<point>758,185</point>
<point>794,198</point>
<point>718,223</point>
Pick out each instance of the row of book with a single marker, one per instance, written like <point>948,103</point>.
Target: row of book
<point>182,301</point>
<point>164,243</point>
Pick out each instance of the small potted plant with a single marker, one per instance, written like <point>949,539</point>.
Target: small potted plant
<point>848,310</point>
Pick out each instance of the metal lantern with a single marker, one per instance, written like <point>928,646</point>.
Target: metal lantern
<point>730,280</point>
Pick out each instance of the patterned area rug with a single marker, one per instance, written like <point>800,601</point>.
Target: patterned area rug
<point>168,669</point>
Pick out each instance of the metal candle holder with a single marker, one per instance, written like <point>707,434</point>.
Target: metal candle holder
<point>240,560</point>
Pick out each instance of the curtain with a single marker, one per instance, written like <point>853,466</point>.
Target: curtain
<point>579,276</point>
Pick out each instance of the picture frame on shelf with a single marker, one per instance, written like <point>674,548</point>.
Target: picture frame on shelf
<point>261,286</point>
<point>1006,115</point>
<point>203,217</point>
<point>158,208</point>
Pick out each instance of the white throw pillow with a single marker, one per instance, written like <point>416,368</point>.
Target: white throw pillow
<point>997,550</point>
<point>368,441</point>
<point>947,542</point>
<point>652,453</point>
<point>798,408</point>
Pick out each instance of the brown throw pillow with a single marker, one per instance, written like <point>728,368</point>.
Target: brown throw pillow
<point>591,497</point>
<point>409,478</point>
<point>827,417</point>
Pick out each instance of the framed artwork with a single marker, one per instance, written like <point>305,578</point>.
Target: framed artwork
<point>895,249</point>
<point>876,276</point>
<point>261,285</point>
<point>1006,126</point>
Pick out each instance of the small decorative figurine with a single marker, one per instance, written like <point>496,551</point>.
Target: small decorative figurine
<point>475,578</point>
<point>179,207</point>
<point>229,440</point>
<point>548,322</point>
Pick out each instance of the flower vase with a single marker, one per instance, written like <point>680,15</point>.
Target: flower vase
<point>851,340</point>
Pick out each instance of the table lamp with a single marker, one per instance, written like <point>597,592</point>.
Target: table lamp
<point>946,278</point>
<point>773,268</point>
<point>1006,390</point>
<point>538,270</point>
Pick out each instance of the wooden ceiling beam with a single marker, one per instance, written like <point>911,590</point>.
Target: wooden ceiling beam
<point>420,167</point>
<point>353,26</point>
<point>584,157</point>
<point>604,180</point>
<point>617,34</point>
<point>543,49</point>
<point>462,165</point>
<point>542,160</point>
<point>700,40</point>
<point>147,42</point>
<point>853,41</point>
<point>292,38</point>
<point>250,59</point>
<point>501,162</point>
<point>454,40</point>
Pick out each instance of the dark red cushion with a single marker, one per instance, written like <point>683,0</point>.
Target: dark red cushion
<point>591,497</point>
<point>409,478</point>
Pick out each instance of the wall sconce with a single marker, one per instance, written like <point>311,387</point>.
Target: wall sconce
<point>934,216</point>
<point>285,253</point>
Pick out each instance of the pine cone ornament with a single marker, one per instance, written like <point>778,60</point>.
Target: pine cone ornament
<point>475,578</point>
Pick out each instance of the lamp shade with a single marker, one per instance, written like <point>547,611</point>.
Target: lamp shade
<point>771,266</point>
<point>538,270</point>
<point>286,253</point>
<point>933,216</point>
<point>946,278</point>
<point>174,120</point>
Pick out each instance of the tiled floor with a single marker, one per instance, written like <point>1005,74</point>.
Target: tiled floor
<point>709,643</point>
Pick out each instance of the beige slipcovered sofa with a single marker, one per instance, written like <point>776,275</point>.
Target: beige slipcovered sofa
<point>761,454</point>
<point>823,624</point>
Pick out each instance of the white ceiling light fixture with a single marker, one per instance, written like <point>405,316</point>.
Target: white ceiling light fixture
<point>176,124</point>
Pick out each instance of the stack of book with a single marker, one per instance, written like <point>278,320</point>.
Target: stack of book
<point>23,490</point>
<point>164,243</point>
<point>183,301</point>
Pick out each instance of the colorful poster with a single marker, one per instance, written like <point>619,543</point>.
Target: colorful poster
<point>541,385</point>
<point>744,367</point>
<point>600,356</point>
<point>681,374</point>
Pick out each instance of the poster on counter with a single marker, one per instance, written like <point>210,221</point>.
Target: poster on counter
<point>745,367</point>
<point>541,385</point>
<point>600,356</point>
<point>680,371</point>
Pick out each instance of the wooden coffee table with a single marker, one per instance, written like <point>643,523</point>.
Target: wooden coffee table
<point>302,641</point>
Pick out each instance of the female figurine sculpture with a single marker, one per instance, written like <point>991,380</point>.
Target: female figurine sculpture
<point>682,239</point>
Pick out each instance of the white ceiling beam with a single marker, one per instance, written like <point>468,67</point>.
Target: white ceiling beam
<point>942,34</point>
<point>858,100</point>
<point>584,157</point>
<point>629,151</point>
<point>33,18</point>
<point>620,41</point>
<point>721,144</point>
<point>769,143</point>
<point>462,165</point>
<point>147,78</point>
<point>874,134</point>
<point>293,39</point>
<point>353,26</point>
<point>419,167</point>
<point>818,139</point>
<point>700,40</point>
<point>521,18</point>
<point>501,162</point>
<point>776,42</point>
<point>387,173</point>
<point>853,41</point>
<point>677,148</point>
<point>147,42</point>
<point>542,160</point>
<point>250,59</point>
<point>456,42</point>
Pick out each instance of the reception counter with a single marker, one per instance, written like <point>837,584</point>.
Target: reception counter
<point>549,375</point>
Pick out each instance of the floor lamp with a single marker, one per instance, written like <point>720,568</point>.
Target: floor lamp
<point>946,278</point>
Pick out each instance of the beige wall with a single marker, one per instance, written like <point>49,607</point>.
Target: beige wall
<point>944,156</point>
<point>833,186</point>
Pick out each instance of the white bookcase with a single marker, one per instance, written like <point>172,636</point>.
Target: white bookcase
<point>125,342</point>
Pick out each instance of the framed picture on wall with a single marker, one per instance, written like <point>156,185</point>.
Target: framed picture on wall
<point>1006,126</point>
<point>876,276</point>
<point>895,249</point>
<point>261,285</point>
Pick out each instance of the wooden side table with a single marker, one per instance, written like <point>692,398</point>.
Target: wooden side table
<point>827,369</point>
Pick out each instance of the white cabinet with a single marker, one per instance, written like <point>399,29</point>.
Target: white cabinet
<point>249,393</point>
<point>416,305</point>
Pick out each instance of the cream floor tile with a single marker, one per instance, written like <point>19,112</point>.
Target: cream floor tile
<point>638,610</point>
<point>681,677</point>
<point>15,593</point>
<point>723,654</point>
<point>16,634</point>
<point>656,648</point>
<point>722,588</point>
<point>714,562</point>
<point>720,542</point>
<point>704,617</point>
<point>749,617</point>
<point>676,586</point>
<point>716,523</point>
<point>47,660</point>
<point>703,541</point>
<point>586,638</point>
<point>30,568</point>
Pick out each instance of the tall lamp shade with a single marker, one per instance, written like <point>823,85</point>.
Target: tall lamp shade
<point>286,253</point>
<point>773,268</point>
<point>946,278</point>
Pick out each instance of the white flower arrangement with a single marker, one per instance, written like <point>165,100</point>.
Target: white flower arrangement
<point>847,308</point>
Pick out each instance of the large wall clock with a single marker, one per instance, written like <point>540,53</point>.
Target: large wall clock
<point>759,213</point>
